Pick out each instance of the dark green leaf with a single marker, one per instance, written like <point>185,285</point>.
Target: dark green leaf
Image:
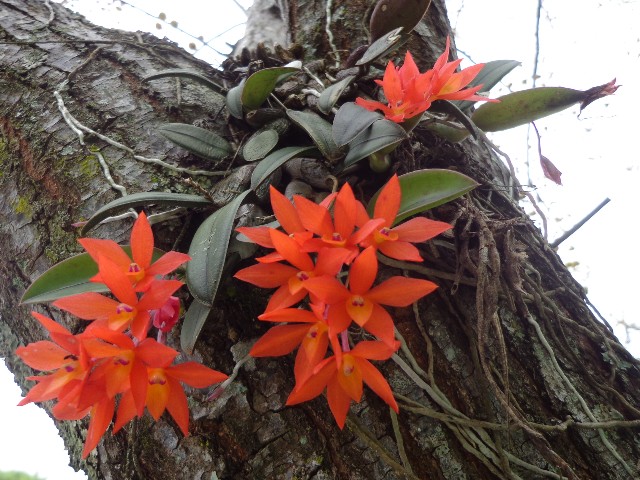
<point>350,121</point>
<point>260,85</point>
<point>70,277</point>
<point>271,163</point>
<point>208,251</point>
<point>390,14</point>
<point>392,40</point>
<point>259,145</point>
<point>331,94</point>
<point>382,134</point>
<point>426,189</point>
<point>492,73</point>
<point>234,100</point>
<point>143,199</point>
<point>194,320</point>
<point>176,72</point>
<point>196,140</point>
<point>520,108</point>
<point>319,130</point>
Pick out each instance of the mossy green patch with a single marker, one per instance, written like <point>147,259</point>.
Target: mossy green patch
<point>22,206</point>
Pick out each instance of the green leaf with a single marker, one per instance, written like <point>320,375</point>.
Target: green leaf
<point>492,73</point>
<point>70,277</point>
<point>177,72</point>
<point>350,121</point>
<point>259,145</point>
<point>234,100</point>
<point>194,320</point>
<point>426,189</point>
<point>390,14</point>
<point>260,85</point>
<point>380,135</point>
<point>274,161</point>
<point>385,44</point>
<point>196,140</point>
<point>520,108</point>
<point>208,251</point>
<point>319,130</point>
<point>331,94</point>
<point>143,199</point>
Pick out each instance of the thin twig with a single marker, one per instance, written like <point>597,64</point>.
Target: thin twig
<point>578,225</point>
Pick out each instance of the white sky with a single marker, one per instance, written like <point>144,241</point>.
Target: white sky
<point>597,153</point>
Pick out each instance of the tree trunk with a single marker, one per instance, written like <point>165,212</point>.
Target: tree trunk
<point>510,373</point>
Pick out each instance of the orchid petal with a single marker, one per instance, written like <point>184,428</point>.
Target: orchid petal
<point>177,406</point>
<point>279,340</point>
<point>142,241</point>
<point>363,272</point>
<point>400,291</point>
<point>266,275</point>
<point>376,382</point>
<point>195,374</point>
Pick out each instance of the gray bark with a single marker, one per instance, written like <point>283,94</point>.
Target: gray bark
<point>507,350</point>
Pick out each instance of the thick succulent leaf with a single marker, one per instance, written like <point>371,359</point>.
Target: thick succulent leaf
<point>390,14</point>
<point>319,130</point>
<point>274,161</point>
<point>383,45</point>
<point>426,189</point>
<point>379,135</point>
<point>331,94</point>
<point>143,199</point>
<point>208,251</point>
<point>194,320</point>
<point>201,142</point>
<point>260,85</point>
<point>70,277</point>
<point>180,73</point>
<point>520,108</point>
<point>350,121</point>
<point>492,73</point>
<point>259,145</point>
<point>234,100</point>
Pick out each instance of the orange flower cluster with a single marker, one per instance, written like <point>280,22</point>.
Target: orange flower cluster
<point>410,92</point>
<point>91,369</point>
<point>307,262</point>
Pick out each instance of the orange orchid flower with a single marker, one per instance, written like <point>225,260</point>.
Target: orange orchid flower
<point>362,303</point>
<point>312,336</point>
<point>163,389</point>
<point>339,232</point>
<point>396,242</point>
<point>140,271</point>
<point>409,92</point>
<point>65,356</point>
<point>343,377</point>
<point>127,311</point>
<point>286,215</point>
<point>291,279</point>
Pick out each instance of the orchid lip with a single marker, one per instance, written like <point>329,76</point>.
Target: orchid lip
<point>124,308</point>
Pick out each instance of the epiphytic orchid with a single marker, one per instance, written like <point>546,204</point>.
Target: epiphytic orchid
<point>140,270</point>
<point>409,92</point>
<point>65,357</point>
<point>163,389</point>
<point>396,242</point>
<point>307,329</point>
<point>127,311</point>
<point>291,279</point>
<point>338,232</point>
<point>343,376</point>
<point>361,302</point>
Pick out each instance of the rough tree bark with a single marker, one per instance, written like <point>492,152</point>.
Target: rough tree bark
<point>516,377</point>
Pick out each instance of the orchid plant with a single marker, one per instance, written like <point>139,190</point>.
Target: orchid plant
<point>328,302</point>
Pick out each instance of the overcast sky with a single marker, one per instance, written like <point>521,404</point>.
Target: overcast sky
<point>580,47</point>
